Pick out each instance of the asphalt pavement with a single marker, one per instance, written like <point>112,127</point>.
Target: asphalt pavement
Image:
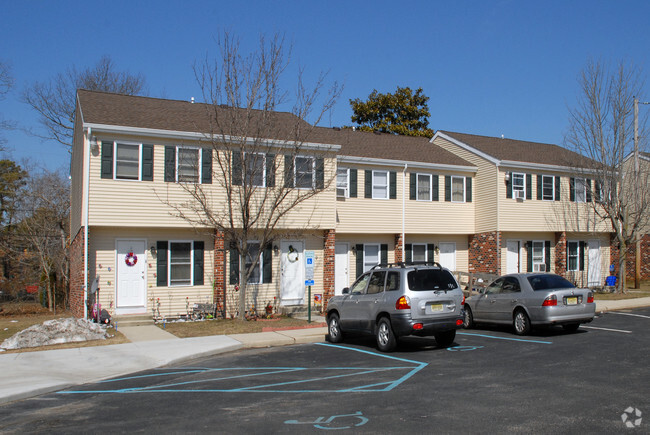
<point>29,374</point>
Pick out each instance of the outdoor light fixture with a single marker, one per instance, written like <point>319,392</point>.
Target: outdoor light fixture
<point>153,250</point>
<point>276,250</point>
<point>94,146</point>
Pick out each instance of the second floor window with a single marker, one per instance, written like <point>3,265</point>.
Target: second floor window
<point>255,167</point>
<point>342,183</point>
<point>127,161</point>
<point>304,172</point>
<point>379,184</point>
<point>188,165</point>
<point>580,186</point>
<point>423,187</point>
<point>458,189</point>
<point>518,185</point>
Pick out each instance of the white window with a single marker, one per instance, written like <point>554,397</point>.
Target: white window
<point>256,274</point>
<point>188,165</point>
<point>180,263</point>
<point>379,184</point>
<point>127,161</point>
<point>371,256</point>
<point>255,169</point>
<point>548,188</point>
<point>424,187</point>
<point>580,186</point>
<point>457,189</point>
<point>539,256</point>
<point>343,183</point>
<point>304,172</point>
<point>518,185</point>
<point>419,252</point>
<point>573,262</point>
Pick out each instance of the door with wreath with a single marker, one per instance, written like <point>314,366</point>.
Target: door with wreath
<point>130,279</point>
<point>293,273</point>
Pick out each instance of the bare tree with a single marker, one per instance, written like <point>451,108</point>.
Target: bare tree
<point>250,142</point>
<point>6,83</point>
<point>602,128</point>
<point>54,100</point>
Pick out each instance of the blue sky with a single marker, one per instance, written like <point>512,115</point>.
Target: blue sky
<point>489,67</point>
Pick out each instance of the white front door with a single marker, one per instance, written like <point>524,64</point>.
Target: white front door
<point>341,274</point>
<point>594,263</point>
<point>448,255</point>
<point>512,260</point>
<point>131,277</point>
<point>292,263</point>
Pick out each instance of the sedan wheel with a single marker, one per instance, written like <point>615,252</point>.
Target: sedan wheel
<point>386,340</point>
<point>334,328</point>
<point>521,323</point>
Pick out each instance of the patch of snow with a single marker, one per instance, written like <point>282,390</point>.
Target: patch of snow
<point>54,332</point>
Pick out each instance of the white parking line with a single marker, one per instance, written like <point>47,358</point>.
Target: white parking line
<point>607,329</point>
<point>630,314</point>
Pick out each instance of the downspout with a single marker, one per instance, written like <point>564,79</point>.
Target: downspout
<point>404,212</point>
<point>86,195</point>
<point>498,234</point>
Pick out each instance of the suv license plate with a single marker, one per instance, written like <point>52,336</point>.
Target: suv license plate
<point>436,307</point>
<point>572,301</point>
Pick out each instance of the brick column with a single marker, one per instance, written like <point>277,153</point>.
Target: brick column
<point>484,253</point>
<point>560,254</point>
<point>219,290</point>
<point>77,264</point>
<point>398,248</point>
<point>329,260</point>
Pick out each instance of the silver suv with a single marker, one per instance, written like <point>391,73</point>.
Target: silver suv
<point>395,300</point>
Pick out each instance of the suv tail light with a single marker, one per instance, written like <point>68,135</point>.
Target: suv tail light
<point>403,303</point>
<point>550,301</point>
<point>590,298</point>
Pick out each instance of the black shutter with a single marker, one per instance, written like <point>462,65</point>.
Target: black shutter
<point>234,266</point>
<point>557,188</point>
<point>320,173</point>
<point>359,260</point>
<point>434,188</point>
<point>572,189</point>
<point>430,251</point>
<point>384,254</point>
<point>547,254</point>
<point>408,253</point>
<point>581,255</point>
<point>161,263</point>
<point>107,160</point>
<point>206,166</point>
<point>447,188</point>
<point>368,185</point>
<point>147,163</point>
<point>509,185</point>
<point>270,170</point>
<point>468,189</point>
<point>236,168</point>
<point>353,183</point>
<point>198,262</point>
<point>588,188</point>
<point>288,171</point>
<point>413,186</point>
<point>392,194</point>
<point>529,255</point>
<point>267,273</point>
<point>529,186</point>
<point>170,164</point>
<point>540,187</point>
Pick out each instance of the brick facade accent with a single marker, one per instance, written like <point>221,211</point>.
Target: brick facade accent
<point>329,251</point>
<point>631,259</point>
<point>219,289</point>
<point>77,263</point>
<point>484,253</point>
<point>398,248</point>
<point>560,254</point>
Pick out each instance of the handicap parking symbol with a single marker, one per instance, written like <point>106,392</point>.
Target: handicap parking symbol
<point>345,421</point>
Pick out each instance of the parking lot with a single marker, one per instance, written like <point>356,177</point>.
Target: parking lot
<point>595,380</point>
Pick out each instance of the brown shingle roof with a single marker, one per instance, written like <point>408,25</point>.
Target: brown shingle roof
<point>174,115</point>
<point>522,151</point>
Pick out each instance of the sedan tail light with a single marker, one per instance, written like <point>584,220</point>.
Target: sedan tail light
<point>550,301</point>
<point>403,303</point>
<point>590,298</point>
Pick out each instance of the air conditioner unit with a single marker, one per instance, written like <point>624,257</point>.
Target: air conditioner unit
<point>520,195</point>
<point>539,267</point>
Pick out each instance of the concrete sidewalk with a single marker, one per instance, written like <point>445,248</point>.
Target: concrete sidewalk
<point>29,374</point>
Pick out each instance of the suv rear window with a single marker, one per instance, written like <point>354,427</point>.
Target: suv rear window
<point>546,282</point>
<point>430,279</point>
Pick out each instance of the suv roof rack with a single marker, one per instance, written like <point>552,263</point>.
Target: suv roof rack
<point>404,264</point>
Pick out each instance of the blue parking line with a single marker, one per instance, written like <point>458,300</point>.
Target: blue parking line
<point>506,338</point>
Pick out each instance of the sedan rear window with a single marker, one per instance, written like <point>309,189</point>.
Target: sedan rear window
<point>547,282</point>
<point>430,279</point>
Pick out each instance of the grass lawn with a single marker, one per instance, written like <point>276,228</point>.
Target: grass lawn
<point>234,326</point>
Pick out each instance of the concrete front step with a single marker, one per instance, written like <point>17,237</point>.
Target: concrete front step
<point>298,311</point>
<point>126,320</point>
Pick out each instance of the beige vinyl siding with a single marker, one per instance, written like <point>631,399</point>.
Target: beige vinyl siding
<point>461,242</point>
<point>485,197</point>
<point>173,300</point>
<point>152,203</point>
<point>77,176</point>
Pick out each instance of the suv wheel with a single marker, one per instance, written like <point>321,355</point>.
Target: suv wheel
<point>446,338</point>
<point>386,340</point>
<point>468,321</point>
<point>334,329</point>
